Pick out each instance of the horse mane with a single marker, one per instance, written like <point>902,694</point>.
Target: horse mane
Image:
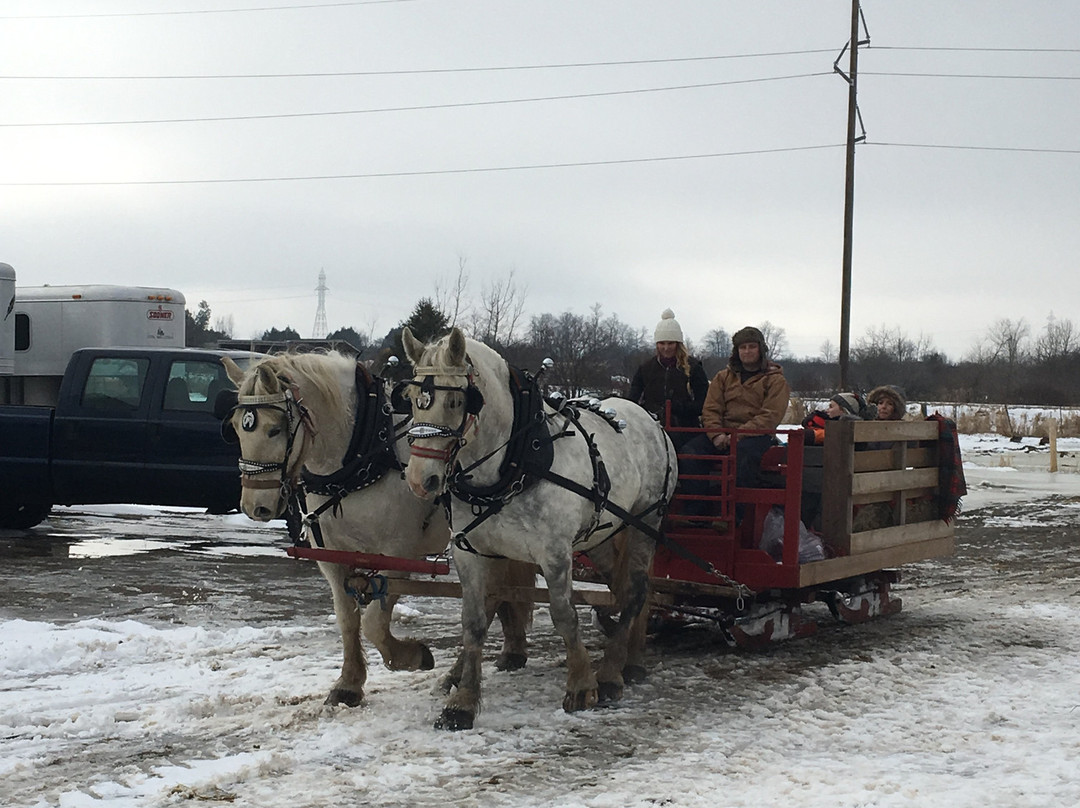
<point>322,372</point>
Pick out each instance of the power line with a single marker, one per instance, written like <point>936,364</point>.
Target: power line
<point>975,50</point>
<point>531,167</point>
<point>426,173</point>
<point>423,71</point>
<point>300,7</point>
<point>967,76</point>
<point>422,107</point>
<point>973,148</point>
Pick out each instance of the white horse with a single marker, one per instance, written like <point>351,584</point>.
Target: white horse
<point>325,416</point>
<point>537,486</point>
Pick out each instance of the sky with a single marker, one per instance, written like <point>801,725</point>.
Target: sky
<point>634,154</point>
<point>178,694</point>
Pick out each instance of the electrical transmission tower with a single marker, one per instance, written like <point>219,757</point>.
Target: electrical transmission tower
<point>320,329</point>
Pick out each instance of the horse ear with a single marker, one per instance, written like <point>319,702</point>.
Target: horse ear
<point>268,378</point>
<point>414,349</point>
<point>232,370</point>
<point>456,346</point>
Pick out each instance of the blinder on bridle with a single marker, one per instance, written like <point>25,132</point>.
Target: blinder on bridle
<point>424,398</point>
<point>225,404</point>
<point>286,402</point>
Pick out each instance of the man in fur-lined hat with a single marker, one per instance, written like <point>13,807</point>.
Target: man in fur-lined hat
<point>750,393</point>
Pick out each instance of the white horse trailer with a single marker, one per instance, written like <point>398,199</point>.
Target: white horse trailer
<point>7,323</point>
<point>50,323</point>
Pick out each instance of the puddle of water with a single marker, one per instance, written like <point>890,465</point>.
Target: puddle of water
<point>101,548</point>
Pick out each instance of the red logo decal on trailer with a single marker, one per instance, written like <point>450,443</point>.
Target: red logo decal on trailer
<point>159,314</point>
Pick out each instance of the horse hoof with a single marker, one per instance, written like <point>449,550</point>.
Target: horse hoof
<point>349,698</point>
<point>427,661</point>
<point>581,700</point>
<point>454,720</point>
<point>634,674</point>
<point>510,662</point>
<point>609,692</point>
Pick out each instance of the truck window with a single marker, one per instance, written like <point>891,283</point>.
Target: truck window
<point>22,331</point>
<point>194,384</point>
<point>115,383</point>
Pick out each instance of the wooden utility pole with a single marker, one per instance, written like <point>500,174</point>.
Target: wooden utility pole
<point>849,189</point>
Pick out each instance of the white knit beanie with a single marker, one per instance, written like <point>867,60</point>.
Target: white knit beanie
<point>668,329</point>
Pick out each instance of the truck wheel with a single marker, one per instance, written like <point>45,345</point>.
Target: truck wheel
<point>21,517</point>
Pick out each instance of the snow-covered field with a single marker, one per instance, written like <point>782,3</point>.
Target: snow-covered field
<point>206,687</point>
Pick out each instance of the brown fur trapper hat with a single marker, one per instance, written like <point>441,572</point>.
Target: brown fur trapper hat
<point>748,334</point>
<point>893,394</point>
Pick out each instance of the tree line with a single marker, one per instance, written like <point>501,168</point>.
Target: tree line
<point>597,353</point>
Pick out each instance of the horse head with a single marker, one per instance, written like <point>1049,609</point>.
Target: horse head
<point>273,428</point>
<point>446,404</point>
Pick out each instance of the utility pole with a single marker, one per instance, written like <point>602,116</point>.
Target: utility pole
<point>854,118</point>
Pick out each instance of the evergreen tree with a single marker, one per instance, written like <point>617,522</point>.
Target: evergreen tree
<point>280,335</point>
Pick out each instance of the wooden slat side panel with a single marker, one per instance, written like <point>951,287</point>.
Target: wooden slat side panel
<point>872,482</point>
<point>835,569</point>
<point>869,541</point>
<point>866,431</point>
<point>885,459</point>
<point>887,496</point>
<point>837,480</point>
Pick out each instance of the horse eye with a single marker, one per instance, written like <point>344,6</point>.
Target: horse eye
<point>274,431</point>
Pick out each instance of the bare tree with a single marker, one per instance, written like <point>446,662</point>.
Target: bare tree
<point>450,295</point>
<point>1059,339</point>
<point>828,352</point>
<point>225,324</point>
<point>1008,341</point>
<point>717,344</point>
<point>892,344</point>
<point>592,352</point>
<point>775,339</point>
<point>498,318</point>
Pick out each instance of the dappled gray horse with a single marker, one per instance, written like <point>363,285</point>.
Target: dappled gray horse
<point>536,484</point>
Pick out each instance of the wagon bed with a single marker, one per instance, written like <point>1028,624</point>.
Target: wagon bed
<point>878,483</point>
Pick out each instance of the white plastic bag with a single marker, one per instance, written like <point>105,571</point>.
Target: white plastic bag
<point>772,538</point>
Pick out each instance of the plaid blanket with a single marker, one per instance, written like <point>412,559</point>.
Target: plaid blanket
<point>951,483</point>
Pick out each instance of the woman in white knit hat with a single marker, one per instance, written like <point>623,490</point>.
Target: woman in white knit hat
<point>671,375</point>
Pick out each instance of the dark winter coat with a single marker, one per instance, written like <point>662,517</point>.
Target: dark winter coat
<point>654,385</point>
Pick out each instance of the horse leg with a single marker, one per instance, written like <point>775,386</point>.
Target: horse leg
<point>349,688</point>
<point>515,616</point>
<point>398,655</point>
<point>624,650</point>
<point>581,689</point>
<point>463,704</point>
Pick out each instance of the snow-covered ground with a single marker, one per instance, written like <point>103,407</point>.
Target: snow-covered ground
<point>199,690</point>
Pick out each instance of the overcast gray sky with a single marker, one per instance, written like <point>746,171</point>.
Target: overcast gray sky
<point>633,153</point>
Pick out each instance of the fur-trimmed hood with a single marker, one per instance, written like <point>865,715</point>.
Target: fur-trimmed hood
<point>892,394</point>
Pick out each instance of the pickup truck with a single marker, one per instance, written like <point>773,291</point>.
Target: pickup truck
<point>131,425</point>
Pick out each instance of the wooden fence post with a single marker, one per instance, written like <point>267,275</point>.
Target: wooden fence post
<point>1053,445</point>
